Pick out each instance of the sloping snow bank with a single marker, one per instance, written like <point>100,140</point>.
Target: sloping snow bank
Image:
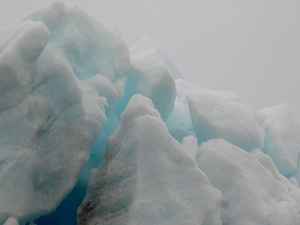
<point>147,178</point>
<point>251,194</point>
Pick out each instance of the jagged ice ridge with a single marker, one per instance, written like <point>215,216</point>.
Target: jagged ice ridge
<point>87,122</point>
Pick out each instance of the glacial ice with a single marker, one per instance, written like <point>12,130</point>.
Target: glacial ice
<point>83,115</point>
<point>282,142</point>
<point>148,180</point>
<point>250,192</point>
<point>217,117</point>
<point>51,107</point>
<point>149,68</point>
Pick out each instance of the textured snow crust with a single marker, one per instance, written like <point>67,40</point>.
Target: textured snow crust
<point>282,141</point>
<point>82,117</point>
<point>51,108</point>
<point>148,180</point>
<point>251,194</point>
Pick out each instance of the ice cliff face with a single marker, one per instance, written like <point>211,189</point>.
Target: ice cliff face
<point>148,180</point>
<point>73,97</point>
<point>53,104</point>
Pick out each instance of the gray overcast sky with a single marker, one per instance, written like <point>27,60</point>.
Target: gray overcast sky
<point>251,47</point>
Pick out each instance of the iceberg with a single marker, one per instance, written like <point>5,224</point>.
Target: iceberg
<point>282,142</point>
<point>94,132</point>
<point>52,108</point>
<point>149,68</point>
<point>250,191</point>
<point>148,180</point>
<point>217,117</point>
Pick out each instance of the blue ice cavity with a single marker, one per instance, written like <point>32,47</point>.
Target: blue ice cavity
<point>96,133</point>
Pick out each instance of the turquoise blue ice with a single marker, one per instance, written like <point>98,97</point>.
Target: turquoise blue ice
<point>117,132</point>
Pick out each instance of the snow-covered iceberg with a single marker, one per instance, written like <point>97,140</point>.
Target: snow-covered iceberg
<point>148,180</point>
<point>282,141</point>
<point>251,194</point>
<point>83,116</point>
<point>59,71</point>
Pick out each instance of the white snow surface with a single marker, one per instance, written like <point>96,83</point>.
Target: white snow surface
<point>215,116</point>
<point>150,69</point>
<point>251,193</point>
<point>148,180</point>
<point>50,108</point>
<point>282,141</point>
<point>175,153</point>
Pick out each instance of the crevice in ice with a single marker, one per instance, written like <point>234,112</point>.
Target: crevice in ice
<point>129,91</point>
<point>66,212</point>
